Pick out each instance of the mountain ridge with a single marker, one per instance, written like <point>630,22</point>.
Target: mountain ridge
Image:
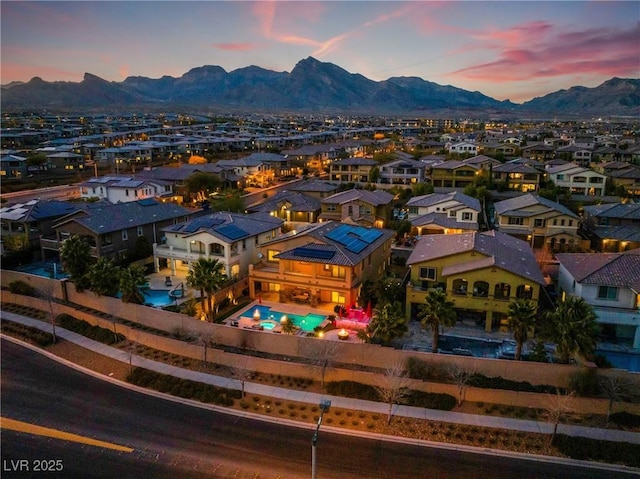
<point>311,86</point>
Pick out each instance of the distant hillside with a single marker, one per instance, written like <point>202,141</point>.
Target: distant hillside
<point>312,86</point>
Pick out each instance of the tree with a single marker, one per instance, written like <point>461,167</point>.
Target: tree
<point>392,388</point>
<point>208,276</point>
<point>47,294</point>
<point>616,388</point>
<point>374,176</point>
<point>557,407</point>
<point>206,340</point>
<point>37,159</point>
<point>572,325</point>
<point>436,311</point>
<point>388,323</point>
<point>103,278</point>
<point>75,256</point>
<point>287,325</point>
<point>241,372</point>
<point>133,284</point>
<point>460,375</point>
<point>199,185</point>
<point>322,353</point>
<point>522,318</point>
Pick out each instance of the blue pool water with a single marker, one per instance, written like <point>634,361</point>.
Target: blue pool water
<point>155,297</point>
<point>621,360</point>
<point>306,323</point>
<point>45,270</point>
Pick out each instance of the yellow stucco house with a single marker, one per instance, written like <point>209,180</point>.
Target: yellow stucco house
<point>481,272</point>
<point>322,265</point>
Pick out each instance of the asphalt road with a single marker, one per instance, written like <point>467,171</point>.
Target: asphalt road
<point>65,192</point>
<point>179,441</point>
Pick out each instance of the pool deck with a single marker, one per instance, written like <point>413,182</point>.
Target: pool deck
<point>249,323</point>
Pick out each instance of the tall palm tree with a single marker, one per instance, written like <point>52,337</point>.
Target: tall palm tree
<point>388,323</point>
<point>75,256</point>
<point>208,276</point>
<point>436,311</point>
<point>572,325</point>
<point>522,318</point>
<point>132,284</point>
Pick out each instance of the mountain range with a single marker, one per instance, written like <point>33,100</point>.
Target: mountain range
<point>311,87</point>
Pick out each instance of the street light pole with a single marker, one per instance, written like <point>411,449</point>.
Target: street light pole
<point>325,404</point>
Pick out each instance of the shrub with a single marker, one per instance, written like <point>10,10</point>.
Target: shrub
<point>486,382</point>
<point>418,369</point>
<point>20,287</point>
<point>585,383</point>
<point>102,335</point>
<point>625,419</point>
<point>444,402</point>
<point>27,333</point>
<point>598,450</point>
<point>352,389</point>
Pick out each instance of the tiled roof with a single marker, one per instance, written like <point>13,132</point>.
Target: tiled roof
<point>508,253</point>
<point>107,218</point>
<point>630,232</point>
<point>297,202</point>
<point>607,269</point>
<point>515,168</point>
<point>615,210</point>
<point>36,210</point>
<point>314,185</point>
<point>442,219</point>
<point>377,197</point>
<point>217,224</point>
<point>435,198</point>
<point>509,207</point>
<point>353,161</point>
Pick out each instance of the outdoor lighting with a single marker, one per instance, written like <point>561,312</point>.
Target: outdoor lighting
<point>343,334</point>
<point>256,315</point>
<point>325,404</point>
<point>321,334</point>
<point>284,319</point>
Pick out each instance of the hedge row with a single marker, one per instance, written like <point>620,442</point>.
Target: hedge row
<point>27,333</point>
<point>184,388</point>
<point>356,390</point>
<point>486,382</point>
<point>598,450</point>
<point>625,419</point>
<point>102,335</point>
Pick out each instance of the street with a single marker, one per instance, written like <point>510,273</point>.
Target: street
<point>170,439</point>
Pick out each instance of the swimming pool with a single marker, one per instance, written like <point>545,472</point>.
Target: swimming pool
<point>307,323</point>
<point>46,270</point>
<point>156,298</point>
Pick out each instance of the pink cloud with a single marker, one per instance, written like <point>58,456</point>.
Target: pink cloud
<point>235,46</point>
<point>539,50</point>
<point>14,70</point>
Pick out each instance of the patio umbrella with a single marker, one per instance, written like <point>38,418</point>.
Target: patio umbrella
<point>369,310</point>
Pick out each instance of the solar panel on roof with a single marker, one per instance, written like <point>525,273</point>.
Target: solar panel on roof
<point>369,236</point>
<point>232,232</point>
<point>314,253</point>
<point>147,202</point>
<point>355,245</point>
<point>337,234</point>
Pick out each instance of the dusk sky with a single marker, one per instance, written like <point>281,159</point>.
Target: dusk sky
<point>506,50</point>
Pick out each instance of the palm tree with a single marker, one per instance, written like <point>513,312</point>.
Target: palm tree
<point>522,318</point>
<point>208,276</point>
<point>75,256</point>
<point>572,325</point>
<point>103,277</point>
<point>388,323</point>
<point>437,310</point>
<point>132,285</point>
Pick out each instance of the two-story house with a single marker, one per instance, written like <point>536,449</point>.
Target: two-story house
<point>613,227</point>
<point>447,213</point>
<point>24,223</point>
<point>481,272</point>
<point>538,221</point>
<point>462,148</point>
<point>315,188</point>
<point>454,174</point>
<point>121,189</point>
<point>402,172</point>
<point>610,283</point>
<point>12,166</point>
<point>351,170</point>
<point>577,179</point>
<point>114,230</point>
<point>256,171</point>
<point>517,176</point>
<point>325,264</point>
<point>231,238</point>
<point>368,208</point>
<point>292,207</point>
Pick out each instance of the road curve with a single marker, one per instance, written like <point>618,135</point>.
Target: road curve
<point>171,439</point>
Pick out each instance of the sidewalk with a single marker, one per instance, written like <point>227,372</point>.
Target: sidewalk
<point>336,401</point>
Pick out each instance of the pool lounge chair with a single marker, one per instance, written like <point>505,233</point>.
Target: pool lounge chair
<point>167,281</point>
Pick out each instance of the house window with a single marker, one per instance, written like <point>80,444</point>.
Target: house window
<point>126,192</point>
<point>452,214</point>
<point>140,231</point>
<point>607,292</point>
<point>125,235</point>
<point>460,286</point>
<point>428,273</point>
<point>555,222</point>
<point>106,239</point>
<point>467,216</point>
<point>570,222</point>
<point>274,286</point>
<point>337,297</point>
<point>524,291</point>
<point>338,272</point>
<point>331,207</point>
<point>350,209</point>
<point>539,223</point>
<point>515,221</point>
<point>502,291</point>
<point>480,289</point>
<point>244,244</point>
<point>271,255</point>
